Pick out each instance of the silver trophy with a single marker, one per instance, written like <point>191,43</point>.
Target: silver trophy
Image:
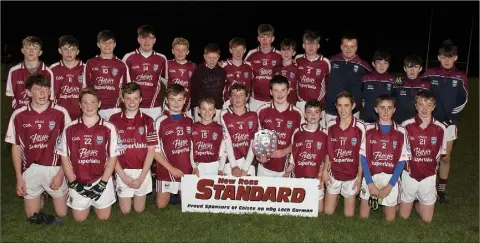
<point>265,143</point>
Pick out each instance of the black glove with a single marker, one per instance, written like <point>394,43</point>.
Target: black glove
<point>96,191</point>
<point>399,80</point>
<point>78,187</point>
<point>373,203</point>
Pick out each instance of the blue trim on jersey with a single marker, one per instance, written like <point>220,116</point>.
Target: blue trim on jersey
<point>366,171</point>
<point>396,173</point>
<point>176,117</point>
<point>385,128</point>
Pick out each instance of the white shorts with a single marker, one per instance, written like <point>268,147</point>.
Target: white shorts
<point>254,104</point>
<point>154,113</point>
<point>381,180</point>
<point>344,188</point>
<point>423,190</point>
<point>79,202</point>
<point>168,186</point>
<point>451,133</point>
<point>124,190</point>
<point>107,113</point>
<point>208,168</point>
<point>197,116</point>
<point>227,170</point>
<point>262,171</point>
<point>327,117</point>
<point>37,180</point>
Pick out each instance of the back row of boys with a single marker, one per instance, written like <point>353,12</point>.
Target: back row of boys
<point>104,78</point>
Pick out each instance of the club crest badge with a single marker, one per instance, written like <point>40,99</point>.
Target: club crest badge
<point>354,141</point>
<point>250,124</point>
<point>51,125</point>
<point>214,136</point>
<point>189,130</point>
<point>289,124</point>
<point>292,75</point>
<point>394,143</point>
<point>155,67</point>
<point>355,68</point>
<point>114,72</point>
<point>318,72</point>
<point>245,74</point>
<point>99,140</point>
<point>434,140</point>
<point>319,145</point>
<point>141,130</point>
<point>274,62</point>
<point>80,79</point>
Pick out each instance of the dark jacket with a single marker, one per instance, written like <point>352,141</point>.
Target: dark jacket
<point>208,82</point>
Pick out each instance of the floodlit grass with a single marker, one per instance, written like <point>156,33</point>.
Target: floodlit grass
<point>454,222</point>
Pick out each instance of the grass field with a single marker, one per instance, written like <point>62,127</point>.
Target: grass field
<point>454,222</point>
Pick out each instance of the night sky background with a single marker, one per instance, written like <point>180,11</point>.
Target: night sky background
<point>401,27</point>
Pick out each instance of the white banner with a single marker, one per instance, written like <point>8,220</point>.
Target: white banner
<point>263,195</point>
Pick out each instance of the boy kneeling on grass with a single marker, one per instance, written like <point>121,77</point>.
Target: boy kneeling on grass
<point>383,156</point>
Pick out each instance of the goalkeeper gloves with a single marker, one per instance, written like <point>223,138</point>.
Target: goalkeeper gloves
<point>78,187</point>
<point>96,191</point>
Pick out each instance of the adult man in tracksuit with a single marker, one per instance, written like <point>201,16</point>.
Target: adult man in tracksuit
<point>346,73</point>
<point>450,88</point>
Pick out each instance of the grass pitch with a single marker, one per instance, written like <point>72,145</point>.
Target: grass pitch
<point>453,222</point>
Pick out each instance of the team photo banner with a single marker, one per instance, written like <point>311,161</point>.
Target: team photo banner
<point>263,195</point>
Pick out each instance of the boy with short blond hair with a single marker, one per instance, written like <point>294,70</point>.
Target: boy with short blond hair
<point>180,71</point>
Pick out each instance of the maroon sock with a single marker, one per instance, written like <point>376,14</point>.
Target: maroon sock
<point>442,183</point>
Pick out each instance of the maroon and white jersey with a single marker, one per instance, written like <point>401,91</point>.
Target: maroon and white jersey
<point>427,146</point>
<point>147,72</point>
<point>236,74</point>
<point>284,124</point>
<point>291,73</point>
<point>313,75</point>
<point>174,143</point>
<point>37,133</point>
<point>344,148</point>
<point>207,142</point>
<point>384,150</point>
<point>309,149</point>
<point>262,64</point>
<point>89,148</point>
<point>17,76</point>
<point>137,134</point>
<point>179,73</point>
<point>68,83</point>
<point>107,76</point>
<point>240,130</point>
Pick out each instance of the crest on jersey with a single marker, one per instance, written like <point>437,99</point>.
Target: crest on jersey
<point>394,144</point>
<point>250,124</point>
<point>214,136</point>
<point>99,140</point>
<point>155,67</point>
<point>189,130</point>
<point>292,75</point>
<point>289,124</point>
<point>245,74</point>
<point>355,68</point>
<point>51,125</point>
<point>141,130</point>
<point>190,74</point>
<point>454,83</point>
<point>434,140</point>
<point>80,79</point>
<point>114,72</point>
<point>318,72</point>
<point>274,62</point>
<point>354,141</point>
<point>319,145</point>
